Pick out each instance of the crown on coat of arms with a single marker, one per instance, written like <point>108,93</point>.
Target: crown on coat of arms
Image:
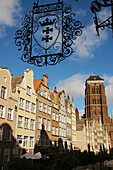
<point>47,22</point>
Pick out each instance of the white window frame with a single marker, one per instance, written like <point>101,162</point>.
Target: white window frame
<point>28,90</point>
<point>26,123</point>
<point>20,121</point>
<point>33,107</point>
<point>3,92</point>
<point>39,122</point>
<point>53,115</point>
<point>48,125</point>
<point>53,130</point>
<point>10,114</point>
<point>45,108</point>
<point>25,141</point>
<point>31,142</point>
<point>40,106</point>
<point>73,127</point>
<point>57,131</point>
<point>56,117</point>
<point>21,104</point>
<point>2,111</point>
<point>27,105</point>
<point>49,110</point>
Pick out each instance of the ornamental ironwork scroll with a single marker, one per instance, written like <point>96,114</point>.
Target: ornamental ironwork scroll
<point>47,34</point>
<point>96,6</point>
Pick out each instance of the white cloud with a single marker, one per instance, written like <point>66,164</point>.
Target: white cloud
<point>73,86</point>
<point>9,11</point>
<point>80,13</point>
<point>109,88</point>
<point>88,42</point>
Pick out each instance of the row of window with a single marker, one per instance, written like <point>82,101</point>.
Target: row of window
<point>95,90</point>
<point>94,101</point>
<point>26,122</point>
<point>22,103</point>
<point>44,94</point>
<point>9,114</point>
<point>4,92</point>
<point>44,106</point>
<point>25,141</point>
<point>62,132</point>
<point>46,123</point>
<point>54,130</point>
<point>54,116</point>
<point>62,118</point>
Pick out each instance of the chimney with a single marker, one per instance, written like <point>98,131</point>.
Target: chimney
<point>45,77</point>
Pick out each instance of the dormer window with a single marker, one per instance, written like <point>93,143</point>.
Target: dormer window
<point>28,90</point>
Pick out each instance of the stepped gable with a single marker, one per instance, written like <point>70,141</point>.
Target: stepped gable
<point>16,80</point>
<point>94,78</point>
<point>37,84</point>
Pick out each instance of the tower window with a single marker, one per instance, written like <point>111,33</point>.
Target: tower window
<point>93,90</point>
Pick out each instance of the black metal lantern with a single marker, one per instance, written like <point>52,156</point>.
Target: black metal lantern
<point>96,6</point>
<point>47,34</point>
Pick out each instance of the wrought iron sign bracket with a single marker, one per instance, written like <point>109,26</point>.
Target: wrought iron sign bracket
<point>96,6</point>
<point>47,34</point>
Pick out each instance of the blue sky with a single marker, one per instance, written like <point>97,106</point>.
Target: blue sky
<point>93,55</point>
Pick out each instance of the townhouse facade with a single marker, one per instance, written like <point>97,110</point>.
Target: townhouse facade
<point>23,91</point>
<point>8,109</point>
<point>69,122</point>
<point>62,117</point>
<point>55,118</point>
<point>43,113</point>
<point>73,124</point>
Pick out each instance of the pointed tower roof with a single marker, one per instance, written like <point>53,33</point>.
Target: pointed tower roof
<point>92,78</point>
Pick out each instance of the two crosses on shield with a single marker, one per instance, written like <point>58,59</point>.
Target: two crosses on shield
<point>47,30</point>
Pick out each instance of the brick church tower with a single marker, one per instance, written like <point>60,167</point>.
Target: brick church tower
<point>95,99</point>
